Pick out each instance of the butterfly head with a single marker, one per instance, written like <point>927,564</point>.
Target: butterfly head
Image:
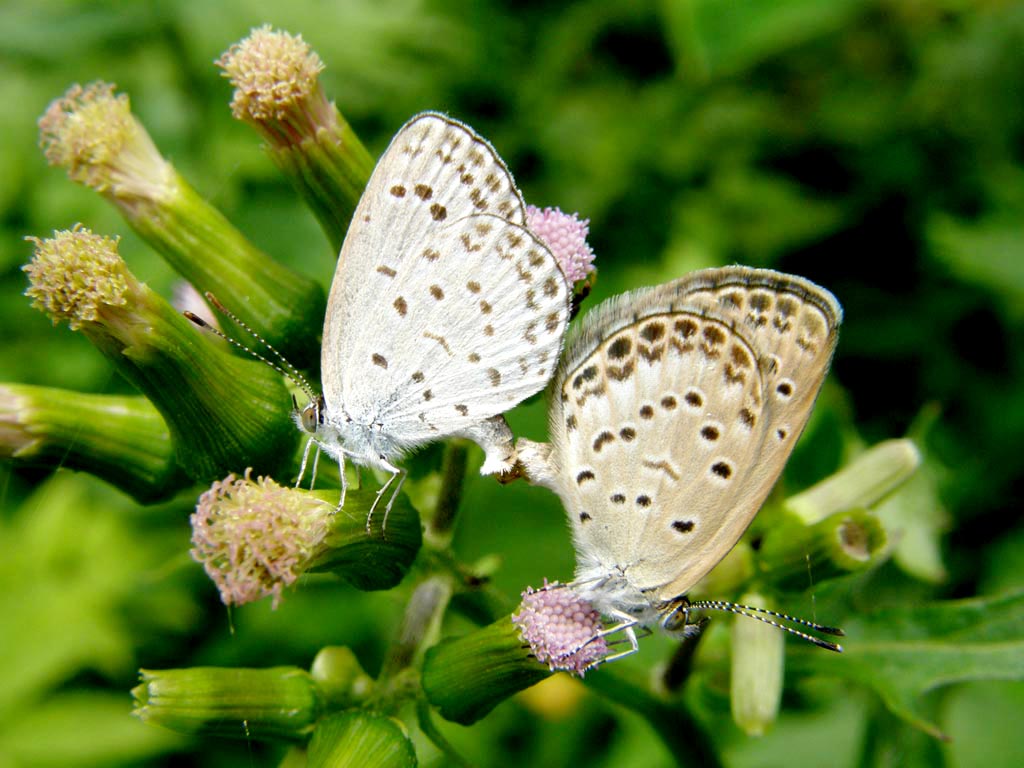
<point>674,617</point>
<point>315,421</point>
<point>311,418</point>
<point>339,434</point>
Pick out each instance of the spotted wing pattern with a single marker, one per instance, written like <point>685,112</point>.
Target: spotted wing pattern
<point>445,310</point>
<point>676,409</point>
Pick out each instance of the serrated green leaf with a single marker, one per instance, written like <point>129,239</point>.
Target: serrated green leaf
<point>902,653</point>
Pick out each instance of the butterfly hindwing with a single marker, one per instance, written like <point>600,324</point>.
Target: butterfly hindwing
<point>677,408</point>
<point>445,310</point>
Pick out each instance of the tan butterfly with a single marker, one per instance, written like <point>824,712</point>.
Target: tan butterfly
<point>673,413</point>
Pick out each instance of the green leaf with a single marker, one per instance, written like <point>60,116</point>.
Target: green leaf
<point>917,520</point>
<point>902,653</point>
<point>731,36</point>
<point>988,253</point>
<point>83,729</point>
<point>79,589</point>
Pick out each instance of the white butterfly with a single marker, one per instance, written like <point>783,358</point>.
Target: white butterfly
<point>674,410</point>
<point>445,311</point>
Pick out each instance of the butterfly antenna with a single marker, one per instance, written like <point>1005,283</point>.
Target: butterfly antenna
<point>753,612</point>
<point>283,367</point>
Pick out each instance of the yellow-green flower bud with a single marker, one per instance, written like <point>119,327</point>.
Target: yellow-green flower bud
<point>274,703</point>
<point>278,91</point>
<point>340,677</point>
<point>92,133</point>
<point>222,411</point>
<point>758,665</point>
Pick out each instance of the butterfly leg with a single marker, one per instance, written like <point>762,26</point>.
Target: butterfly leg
<point>344,480</point>
<point>395,473</point>
<point>627,625</point>
<point>305,459</point>
<point>494,436</point>
<point>316,465</point>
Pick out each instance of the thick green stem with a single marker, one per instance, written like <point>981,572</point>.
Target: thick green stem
<point>121,439</point>
<point>330,172</point>
<point>285,308</point>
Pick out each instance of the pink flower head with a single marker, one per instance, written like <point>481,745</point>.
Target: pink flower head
<point>561,629</point>
<point>255,537</point>
<point>566,237</point>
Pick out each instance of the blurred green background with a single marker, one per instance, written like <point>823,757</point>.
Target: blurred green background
<point>872,146</point>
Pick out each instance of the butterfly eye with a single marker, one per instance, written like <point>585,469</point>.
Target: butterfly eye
<point>310,417</point>
<point>675,619</point>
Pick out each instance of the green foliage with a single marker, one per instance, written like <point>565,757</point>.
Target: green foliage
<point>905,652</point>
<point>873,146</point>
<point>360,739</point>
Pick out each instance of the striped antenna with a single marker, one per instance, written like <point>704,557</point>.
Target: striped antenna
<point>285,368</point>
<point>752,612</point>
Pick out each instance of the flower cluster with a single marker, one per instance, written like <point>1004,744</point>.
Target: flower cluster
<point>566,236</point>
<point>255,537</point>
<point>562,630</point>
<point>75,274</point>
<point>277,84</point>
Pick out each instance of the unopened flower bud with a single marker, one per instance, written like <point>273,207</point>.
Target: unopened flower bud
<point>277,90</point>
<point>273,703</point>
<point>758,665</point>
<point>222,411</point>
<point>92,133</point>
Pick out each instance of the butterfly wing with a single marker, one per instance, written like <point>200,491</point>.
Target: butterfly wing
<point>676,408</point>
<point>445,310</point>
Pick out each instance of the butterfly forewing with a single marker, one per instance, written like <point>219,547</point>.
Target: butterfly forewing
<point>678,413</point>
<point>468,308</point>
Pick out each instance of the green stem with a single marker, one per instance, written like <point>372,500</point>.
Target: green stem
<point>330,172</point>
<point>284,307</point>
<point>420,628</point>
<point>426,723</point>
<point>682,734</point>
<point>120,438</point>
<point>453,479</point>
